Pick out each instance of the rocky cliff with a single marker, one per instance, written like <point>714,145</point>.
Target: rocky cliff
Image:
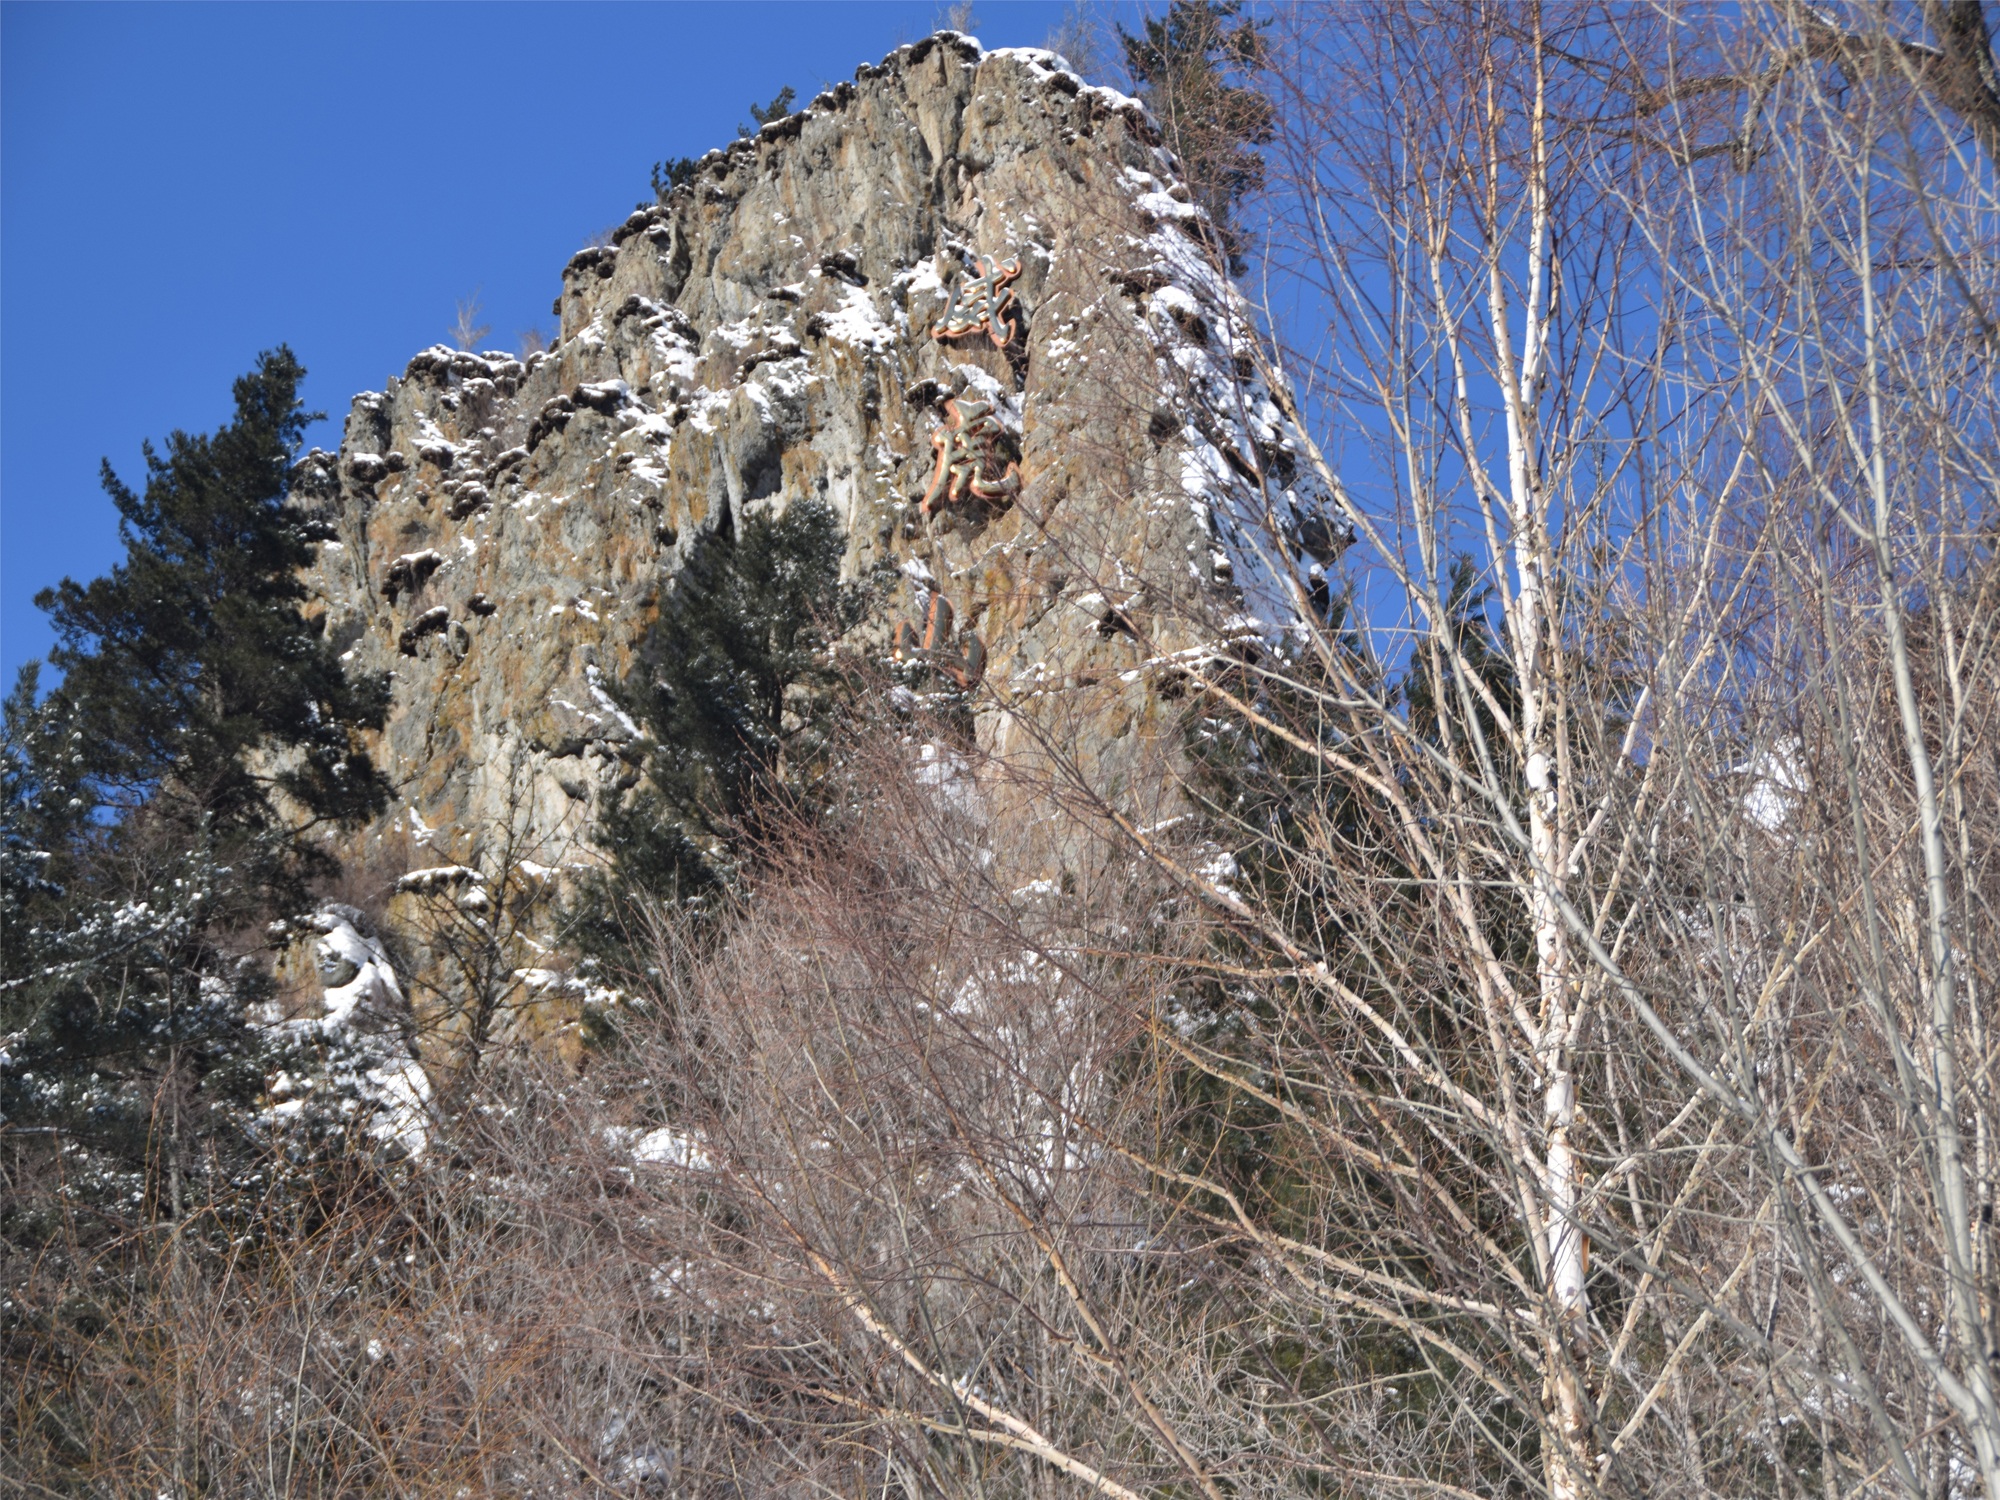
<point>965,301</point>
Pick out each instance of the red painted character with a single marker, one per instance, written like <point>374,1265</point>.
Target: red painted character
<point>963,666</point>
<point>983,304</point>
<point>968,458</point>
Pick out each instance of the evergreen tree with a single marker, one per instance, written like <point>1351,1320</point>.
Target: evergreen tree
<point>162,801</point>
<point>1467,637</point>
<point>1297,835</point>
<point>764,114</point>
<point>1187,68</point>
<point>188,669</point>
<point>671,173</point>
<point>737,694</point>
<point>40,813</point>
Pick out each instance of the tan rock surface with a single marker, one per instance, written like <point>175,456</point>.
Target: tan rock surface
<point>502,530</point>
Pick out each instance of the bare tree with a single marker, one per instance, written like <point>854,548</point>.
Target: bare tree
<point>1671,482</point>
<point>1531,1038</point>
<point>466,329</point>
<point>1846,293</point>
<point>1078,37</point>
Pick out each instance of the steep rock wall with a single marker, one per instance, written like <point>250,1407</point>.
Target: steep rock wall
<point>500,530</point>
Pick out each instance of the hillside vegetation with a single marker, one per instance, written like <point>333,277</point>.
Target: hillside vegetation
<point>1284,787</point>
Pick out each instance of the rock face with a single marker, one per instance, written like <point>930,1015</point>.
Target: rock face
<point>964,301</point>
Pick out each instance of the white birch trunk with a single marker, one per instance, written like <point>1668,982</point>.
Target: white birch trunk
<point>1532,636</point>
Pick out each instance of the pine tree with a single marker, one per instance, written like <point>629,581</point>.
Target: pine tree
<point>737,695</point>
<point>1299,836</point>
<point>188,669</point>
<point>765,114</point>
<point>1468,643</point>
<point>673,172</point>
<point>163,799</point>
<point>40,813</point>
<point>1185,66</point>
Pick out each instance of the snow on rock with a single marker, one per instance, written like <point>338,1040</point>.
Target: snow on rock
<point>1165,206</point>
<point>854,321</point>
<point>580,990</point>
<point>409,571</point>
<point>439,877</point>
<point>1039,61</point>
<point>1241,467</point>
<point>949,776</point>
<point>594,678</point>
<point>662,1146</point>
<point>1777,780</point>
<point>764,335</point>
<point>984,386</point>
<point>352,1065</point>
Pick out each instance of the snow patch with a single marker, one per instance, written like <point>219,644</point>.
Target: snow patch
<point>368,1074</point>
<point>439,877</point>
<point>594,677</point>
<point>856,322</point>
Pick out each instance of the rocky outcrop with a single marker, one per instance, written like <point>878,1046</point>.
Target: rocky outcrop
<point>965,302</point>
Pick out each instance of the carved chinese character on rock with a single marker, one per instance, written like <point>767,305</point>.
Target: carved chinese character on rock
<point>983,304</point>
<point>969,461</point>
<point>964,665</point>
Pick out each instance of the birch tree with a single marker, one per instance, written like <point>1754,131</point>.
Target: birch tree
<point>1674,345</point>
<point>1491,365</point>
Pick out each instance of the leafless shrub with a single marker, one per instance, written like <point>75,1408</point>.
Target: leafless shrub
<point>891,1090</point>
<point>1079,36</point>
<point>1536,1037</point>
<point>853,1205</point>
<point>378,1331</point>
<point>466,329</point>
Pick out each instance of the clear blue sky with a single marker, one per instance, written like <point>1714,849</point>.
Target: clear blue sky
<point>184,185</point>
